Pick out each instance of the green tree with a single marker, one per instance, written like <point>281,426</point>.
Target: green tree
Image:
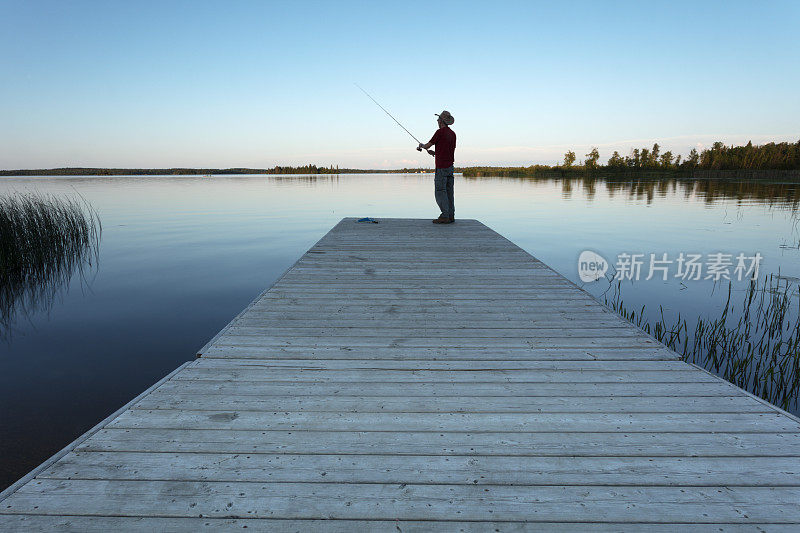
<point>616,160</point>
<point>644,159</point>
<point>592,157</point>
<point>693,159</point>
<point>634,159</point>
<point>569,158</point>
<point>653,161</point>
<point>666,159</point>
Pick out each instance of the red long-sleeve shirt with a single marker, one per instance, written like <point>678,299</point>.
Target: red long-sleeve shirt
<point>445,141</point>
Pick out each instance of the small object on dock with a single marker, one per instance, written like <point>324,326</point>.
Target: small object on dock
<point>368,219</point>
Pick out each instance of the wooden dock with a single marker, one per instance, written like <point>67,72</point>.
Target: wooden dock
<point>406,376</point>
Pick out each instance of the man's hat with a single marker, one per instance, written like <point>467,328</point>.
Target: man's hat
<point>446,117</point>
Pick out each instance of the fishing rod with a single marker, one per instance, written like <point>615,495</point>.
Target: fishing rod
<point>390,115</point>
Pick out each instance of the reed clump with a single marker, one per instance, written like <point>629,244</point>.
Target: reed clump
<point>44,240</point>
<point>754,343</point>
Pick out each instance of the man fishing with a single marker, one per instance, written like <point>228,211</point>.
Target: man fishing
<point>445,141</point>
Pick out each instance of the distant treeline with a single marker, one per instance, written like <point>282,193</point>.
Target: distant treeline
<point>720,161</point>
<point>307,169</point>
<point>717,160</point>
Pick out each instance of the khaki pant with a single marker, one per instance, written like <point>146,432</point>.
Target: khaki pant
<point>443,191</point>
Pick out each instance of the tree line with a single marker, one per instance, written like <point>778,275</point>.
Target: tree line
<point>305,169</point>
<point>719,157</point>
<point>770,156</point>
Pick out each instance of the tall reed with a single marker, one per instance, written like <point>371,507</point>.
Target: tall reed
<point>754,342</point>
<point>44,240</point>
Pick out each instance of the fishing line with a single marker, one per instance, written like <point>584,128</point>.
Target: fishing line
<point>390,115</point>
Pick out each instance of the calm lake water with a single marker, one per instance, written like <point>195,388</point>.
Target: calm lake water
<point>180,256</point>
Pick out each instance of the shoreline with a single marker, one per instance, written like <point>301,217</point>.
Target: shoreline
<point>791,175</point>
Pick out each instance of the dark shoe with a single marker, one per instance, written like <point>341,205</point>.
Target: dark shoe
<point>452,219</point>
<point>441,220</point>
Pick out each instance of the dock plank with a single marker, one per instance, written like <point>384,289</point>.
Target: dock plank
<point>371,501</point>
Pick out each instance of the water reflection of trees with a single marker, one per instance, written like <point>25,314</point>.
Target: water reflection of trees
<point>770,193</point>
<point>304,178</point>
<point>44,241</point>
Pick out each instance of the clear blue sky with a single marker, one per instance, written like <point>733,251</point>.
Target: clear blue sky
<point>234,83</point>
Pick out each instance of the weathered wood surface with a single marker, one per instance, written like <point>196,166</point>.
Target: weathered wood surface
<point>415,377</point>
